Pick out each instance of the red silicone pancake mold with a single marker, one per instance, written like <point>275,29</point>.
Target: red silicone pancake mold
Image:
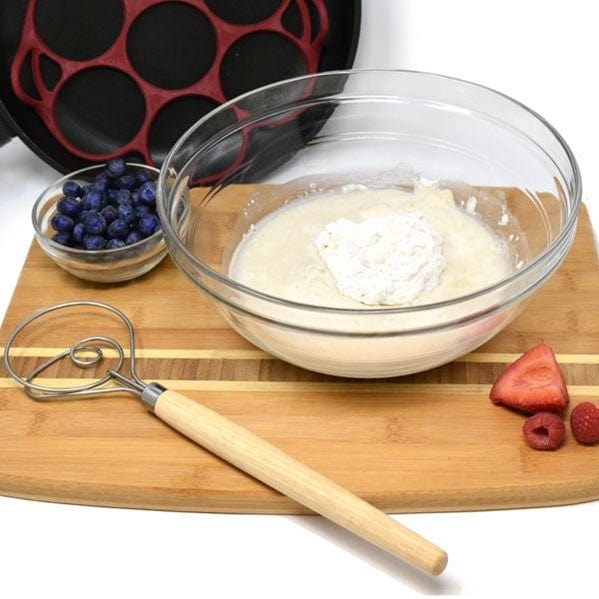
<point>33,49</point>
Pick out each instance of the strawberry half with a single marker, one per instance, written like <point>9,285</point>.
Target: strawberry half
<point>533,383</point>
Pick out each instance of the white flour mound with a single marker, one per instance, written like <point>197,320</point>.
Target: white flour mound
<point>387,260</point>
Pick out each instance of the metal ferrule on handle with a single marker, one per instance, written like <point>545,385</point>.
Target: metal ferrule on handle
<point>149,396</point>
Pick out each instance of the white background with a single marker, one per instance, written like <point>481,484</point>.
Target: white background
<point>542,53</point>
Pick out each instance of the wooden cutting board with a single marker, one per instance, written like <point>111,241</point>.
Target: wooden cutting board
<point>426,442</point>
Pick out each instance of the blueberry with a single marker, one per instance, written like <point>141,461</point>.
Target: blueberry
<point>148,224</point>
<point>126,182</point>
<point>147,193</point>
<point>143,210</point>
<point>117,229</point>
<point>126,212</point>
<point>69,206</point>
<point>81,216</point>
<point>63,238</point>
<point>109,213</point>
<point>95,224</point>
<point>135,197</point>
<point>143,176</point>
<point>113,244</point>
<point>123,196</point>
<point>62,223</point>
<point>71,189</point>
<point>102,177</point>
<point>94,242</point>
<point>111,194</point>
<point>94,200</point>
<point>101,186</point>
<point>78,232</point>
<point>102,181</point>
<point>133,237</point>
<point>116,167</point>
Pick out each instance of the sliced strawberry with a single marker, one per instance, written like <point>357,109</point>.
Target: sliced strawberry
<point>533,383</point>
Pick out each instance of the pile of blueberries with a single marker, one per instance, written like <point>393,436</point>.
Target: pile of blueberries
<point>118,209</point>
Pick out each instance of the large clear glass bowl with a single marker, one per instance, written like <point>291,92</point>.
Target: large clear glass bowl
<point>383,129</point>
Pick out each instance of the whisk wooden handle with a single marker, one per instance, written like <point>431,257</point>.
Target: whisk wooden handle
<point>280,471</point>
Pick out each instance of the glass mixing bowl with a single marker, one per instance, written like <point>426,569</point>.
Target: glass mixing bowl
<point>504,163</point>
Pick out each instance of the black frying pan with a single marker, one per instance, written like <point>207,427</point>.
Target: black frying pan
<point>83,102</point>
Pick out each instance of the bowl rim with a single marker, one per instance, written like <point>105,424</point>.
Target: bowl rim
<point>156,236</point>
<point>172,237</point>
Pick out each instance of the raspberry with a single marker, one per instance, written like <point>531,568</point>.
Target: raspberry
<point>584,422</point>
<point>544,430</point>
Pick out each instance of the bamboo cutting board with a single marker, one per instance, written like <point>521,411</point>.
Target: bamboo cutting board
<point>425,442</point>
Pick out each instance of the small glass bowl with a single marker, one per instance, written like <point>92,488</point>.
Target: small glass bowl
<point>100,266</point>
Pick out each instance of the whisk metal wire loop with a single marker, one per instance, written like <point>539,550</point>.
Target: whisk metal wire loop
<point>91,345</point>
